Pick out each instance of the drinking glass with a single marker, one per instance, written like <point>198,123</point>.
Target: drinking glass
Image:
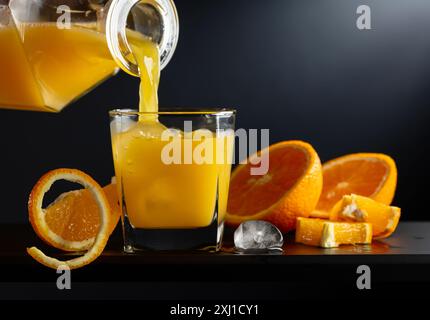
<point>173,170</point>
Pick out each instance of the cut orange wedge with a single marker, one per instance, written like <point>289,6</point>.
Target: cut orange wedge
<point>328,234</point>
<point>38,219</point>
<point>290,189</point>
<point>372,175</point>
<point>383,218</point>
<point>319,214</point>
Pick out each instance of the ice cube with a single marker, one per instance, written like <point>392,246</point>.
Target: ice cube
<point>258,235</point>
<point>121,124</point>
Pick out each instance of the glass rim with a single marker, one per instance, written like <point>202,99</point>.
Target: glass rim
<point>175,111</point>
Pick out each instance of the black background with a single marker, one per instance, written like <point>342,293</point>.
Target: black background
<point>298,67</point>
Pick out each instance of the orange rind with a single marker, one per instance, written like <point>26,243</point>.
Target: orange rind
<point>37,219</point>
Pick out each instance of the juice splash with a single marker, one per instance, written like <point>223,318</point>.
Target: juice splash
<point>45,68</point>
<point>161,195</point>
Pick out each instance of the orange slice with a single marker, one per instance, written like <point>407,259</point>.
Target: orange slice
<point>37,217</point>
<point>74,219</point>
<point>383,218</point>
<point>328,234</point>
<point>289,189</point>
<point>372,175</point>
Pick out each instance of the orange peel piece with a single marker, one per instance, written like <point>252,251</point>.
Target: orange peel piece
<point>36,214</point>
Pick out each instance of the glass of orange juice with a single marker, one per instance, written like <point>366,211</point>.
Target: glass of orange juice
<point>173,171</point>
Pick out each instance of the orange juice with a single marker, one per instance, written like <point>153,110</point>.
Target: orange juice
<point>158,194</point>
<point>18,88</point>
<point>44,68</point>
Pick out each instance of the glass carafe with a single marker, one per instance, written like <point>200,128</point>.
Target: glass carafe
<point>54,51</point>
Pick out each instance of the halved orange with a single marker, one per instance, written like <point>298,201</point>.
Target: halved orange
<point>290,189</point>
<point>383,218</point>
<point>329,234</point>
<point>38,220</point>
<point>372,175</point>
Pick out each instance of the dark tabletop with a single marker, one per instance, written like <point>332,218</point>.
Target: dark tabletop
<point>400,262</point>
